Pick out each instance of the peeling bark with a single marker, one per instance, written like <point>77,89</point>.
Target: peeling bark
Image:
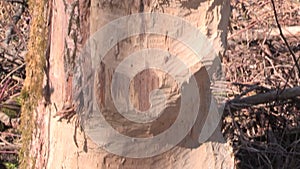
<point>73,21</point>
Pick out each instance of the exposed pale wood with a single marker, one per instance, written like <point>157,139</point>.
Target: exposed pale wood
<point>259,34</point>
<point>59,149</point>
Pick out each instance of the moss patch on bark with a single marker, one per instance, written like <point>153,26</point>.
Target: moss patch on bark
<point>32,91</point>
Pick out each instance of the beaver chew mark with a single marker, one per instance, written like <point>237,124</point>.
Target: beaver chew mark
<point>142,84</point>
<point>145,82</point>
<point>141,87</point>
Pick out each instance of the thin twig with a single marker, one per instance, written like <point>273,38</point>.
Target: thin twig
<point>17,1</point>
<point>4,86</point>
<point>8,143</point>
<point>10,134</point>
<point>11,27</point>
<point>13,71</point>
<point>9,152</point>
<point>284,39</point>
<point>276,73</point>
<point>234,123</point>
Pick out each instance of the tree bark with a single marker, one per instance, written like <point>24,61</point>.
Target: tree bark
<point>72,23</point>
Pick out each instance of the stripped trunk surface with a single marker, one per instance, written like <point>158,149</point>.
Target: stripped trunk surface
<point>72,23</point>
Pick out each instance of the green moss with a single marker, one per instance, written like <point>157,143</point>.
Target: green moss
<point>24,95</point>
<point>33,84</point>
<point>19,100</point>
<point>11,113</point>
<point>2,126</point>
<point>11,165</point>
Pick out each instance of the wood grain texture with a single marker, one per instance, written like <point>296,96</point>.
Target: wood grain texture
<point>211,17</point>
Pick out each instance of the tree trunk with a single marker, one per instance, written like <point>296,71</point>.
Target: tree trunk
<point>66,79</point>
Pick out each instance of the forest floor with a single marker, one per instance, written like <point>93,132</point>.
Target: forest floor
<point>263,133</point>
<point>14,35</point>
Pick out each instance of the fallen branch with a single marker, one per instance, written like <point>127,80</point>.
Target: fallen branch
<point>248,34</point>
<point>266,97</point>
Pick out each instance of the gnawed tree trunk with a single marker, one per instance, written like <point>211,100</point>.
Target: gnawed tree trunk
<point>71,24</point>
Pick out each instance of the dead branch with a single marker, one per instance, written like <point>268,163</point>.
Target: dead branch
<point>266,97</point>
<point>247,34</point>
